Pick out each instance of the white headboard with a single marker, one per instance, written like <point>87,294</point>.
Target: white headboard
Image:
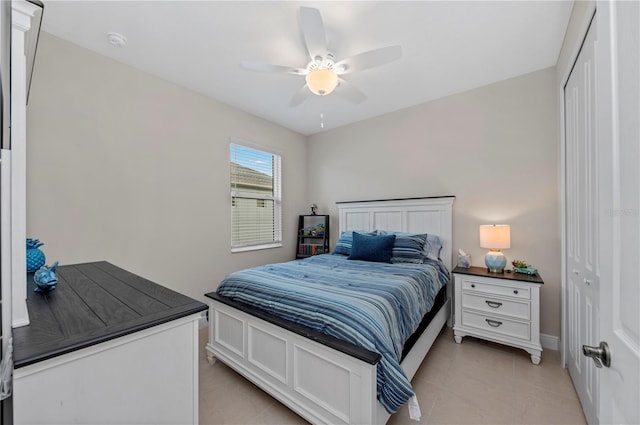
<point>419,215</point>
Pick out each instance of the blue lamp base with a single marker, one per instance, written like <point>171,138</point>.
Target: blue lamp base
<point>495,261</point>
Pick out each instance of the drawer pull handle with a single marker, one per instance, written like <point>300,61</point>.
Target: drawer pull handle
<point>493,304</point>
<point>473,285</point>
<point>493,323</point>
<point>515,291</point>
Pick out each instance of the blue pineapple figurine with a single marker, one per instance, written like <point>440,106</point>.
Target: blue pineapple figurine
<point>35,257</point>
<point>46,278</point>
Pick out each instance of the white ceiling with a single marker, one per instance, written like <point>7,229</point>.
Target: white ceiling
<point>448,47</point>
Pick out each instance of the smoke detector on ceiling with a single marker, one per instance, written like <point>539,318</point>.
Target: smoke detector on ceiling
<point>116,39</point>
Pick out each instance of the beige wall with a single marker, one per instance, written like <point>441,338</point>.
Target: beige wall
<point>128,168</point>
<point>495,148</point>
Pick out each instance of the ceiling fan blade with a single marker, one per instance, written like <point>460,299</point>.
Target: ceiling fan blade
<point>300,96</point>
<point>313,33</point>
<point>349,92</point>
<point>369,59</point>
<point>267,67</point>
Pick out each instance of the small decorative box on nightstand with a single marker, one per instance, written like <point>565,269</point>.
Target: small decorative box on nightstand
<point>499,307</point>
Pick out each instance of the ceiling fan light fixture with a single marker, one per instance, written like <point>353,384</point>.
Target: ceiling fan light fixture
<point>322,81</point>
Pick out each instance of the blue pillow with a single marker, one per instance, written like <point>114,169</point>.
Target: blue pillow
<point>343,246</point>
<point>372,248</point>
<point>408,247</point>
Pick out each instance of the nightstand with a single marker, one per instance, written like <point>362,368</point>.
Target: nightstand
<point>498,307</point>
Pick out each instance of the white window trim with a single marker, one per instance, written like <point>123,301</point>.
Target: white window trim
<point>256,247</point>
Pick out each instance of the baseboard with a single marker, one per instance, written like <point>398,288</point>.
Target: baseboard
<point>550,342</point>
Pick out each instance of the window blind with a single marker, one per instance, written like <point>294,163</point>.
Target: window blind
<point>255,198</point>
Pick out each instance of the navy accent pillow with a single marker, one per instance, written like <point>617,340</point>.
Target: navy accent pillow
<point>372,248</point>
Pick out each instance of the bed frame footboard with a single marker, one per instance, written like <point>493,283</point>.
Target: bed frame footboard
<point>320,383</point>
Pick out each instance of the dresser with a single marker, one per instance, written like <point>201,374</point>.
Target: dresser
<point>107,346</point>
<point>498,307</point>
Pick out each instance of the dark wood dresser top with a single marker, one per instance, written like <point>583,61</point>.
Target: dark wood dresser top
<point>93,303</point>
<point>483,272</point>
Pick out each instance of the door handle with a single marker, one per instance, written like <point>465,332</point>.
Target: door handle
<point>601,355</point>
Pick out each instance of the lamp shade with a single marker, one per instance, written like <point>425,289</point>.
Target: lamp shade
<point>495,236</point>
<point>322,81</point>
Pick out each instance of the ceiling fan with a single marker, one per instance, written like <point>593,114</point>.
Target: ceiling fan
<point>323,73</point>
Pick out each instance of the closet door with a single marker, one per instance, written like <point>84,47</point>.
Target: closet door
<point>582,247</point>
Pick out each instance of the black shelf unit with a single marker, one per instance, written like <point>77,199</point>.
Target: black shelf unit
<point>313,235</point>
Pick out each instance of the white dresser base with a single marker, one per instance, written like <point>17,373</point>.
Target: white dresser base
<point>147,377</point>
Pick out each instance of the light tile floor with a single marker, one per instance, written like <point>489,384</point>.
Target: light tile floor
<point>476,382</point>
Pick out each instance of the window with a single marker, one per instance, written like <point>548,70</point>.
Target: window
<point>255,199</point>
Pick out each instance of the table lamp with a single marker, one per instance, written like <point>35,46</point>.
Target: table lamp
<point>495,237</point>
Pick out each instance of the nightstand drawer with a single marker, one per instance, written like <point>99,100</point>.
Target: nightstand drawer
<point>478,285</point>
<point>501,326</point>
<point>512,308</point>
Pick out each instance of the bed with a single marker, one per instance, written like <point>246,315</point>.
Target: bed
<point>324,378</point>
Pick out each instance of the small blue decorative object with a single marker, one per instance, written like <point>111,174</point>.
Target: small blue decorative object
<point>35,257</point>
<point>46,278</point>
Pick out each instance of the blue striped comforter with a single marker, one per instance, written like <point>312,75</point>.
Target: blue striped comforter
<point>373,305</point>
